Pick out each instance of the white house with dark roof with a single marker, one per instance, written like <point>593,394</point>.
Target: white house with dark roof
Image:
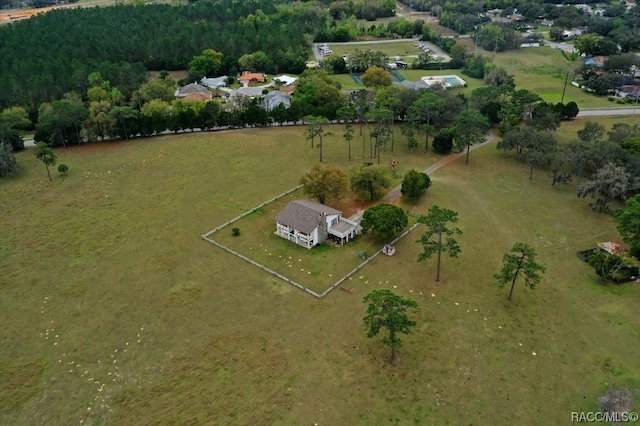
<point>309,223</point>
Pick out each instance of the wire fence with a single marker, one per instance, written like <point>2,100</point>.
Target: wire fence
<point>279,275</point>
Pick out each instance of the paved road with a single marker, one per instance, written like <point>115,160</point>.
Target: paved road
<point>609,111</point>
<point>560,46</point>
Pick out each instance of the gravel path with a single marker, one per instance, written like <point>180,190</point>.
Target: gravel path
<point>395,192</point>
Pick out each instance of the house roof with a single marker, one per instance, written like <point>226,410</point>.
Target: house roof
<point>304,215</point>
<point>214,81</point>
<point>612,247</point>
<point>285,79</point>
<point>250,76</point>
<point>183,91</point>
<point>197,96</point>
<point>275,98</point>
<point>629,88</point>
<point>414,85</point>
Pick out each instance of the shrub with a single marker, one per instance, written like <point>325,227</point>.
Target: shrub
<point>63,169</point>
<point>235,232</point>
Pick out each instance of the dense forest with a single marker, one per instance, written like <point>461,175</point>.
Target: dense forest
<point>50,54</point>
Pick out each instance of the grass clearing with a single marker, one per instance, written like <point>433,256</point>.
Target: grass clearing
<point>542,70</point>
<point>136,320</point>
<point>405,49</point>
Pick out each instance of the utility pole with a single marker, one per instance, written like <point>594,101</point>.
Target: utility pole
<point>565,87</point>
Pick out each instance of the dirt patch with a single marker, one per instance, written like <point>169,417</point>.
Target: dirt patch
<point>351,206</point>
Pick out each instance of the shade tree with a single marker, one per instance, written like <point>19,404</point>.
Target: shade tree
<point>605,265</point>
<point>628,221</point>
<point>376,77</point>
<point>384,220</point>
<point>316,126</point>
<point>45,154</point>
<point>381,132</point>
<point>13,123</point>
<point>443,142</point>
<point>389,311</point>
<point>426,111</point>
<point>439,236</point>
<point>415,184</point>
<point>470,129</point>
<point>8,163</point>
<point>592,132</point>
<point>325,183</point>
<point>206,64</point>
<point>607,184</point>
<point>520,262</point>
<point>369,181</point>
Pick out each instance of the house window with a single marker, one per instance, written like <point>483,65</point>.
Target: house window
<point>334,221</point>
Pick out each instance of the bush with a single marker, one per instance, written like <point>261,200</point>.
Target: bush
<point>443,142</point>
<point>235,232</point>
<point>63,169</point>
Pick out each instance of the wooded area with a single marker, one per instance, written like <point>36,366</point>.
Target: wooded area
<point>48,55</point>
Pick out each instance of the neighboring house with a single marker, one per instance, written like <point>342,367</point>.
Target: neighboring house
<point>596,61</point>
<point>275,98</point>
<point>285,80</point>
<point>309,223</point>
<point>190,89</point>
<point>629,91</point>
<point>414,85</point>
<point>214,83</point>
<point>572,33</point>
<point>251,77</point>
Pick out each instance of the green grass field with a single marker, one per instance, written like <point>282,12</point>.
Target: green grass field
<point>115,311</point>
<point>391,49</point>
<point>543,70</point>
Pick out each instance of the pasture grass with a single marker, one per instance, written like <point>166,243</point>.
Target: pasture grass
<point>569,129</point>
<point>116,312</point>
<point>543,70</point>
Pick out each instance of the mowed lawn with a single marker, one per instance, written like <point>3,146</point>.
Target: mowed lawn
<point>115,311</point>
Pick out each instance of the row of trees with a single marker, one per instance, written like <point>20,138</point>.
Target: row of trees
<point>612,163</point>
